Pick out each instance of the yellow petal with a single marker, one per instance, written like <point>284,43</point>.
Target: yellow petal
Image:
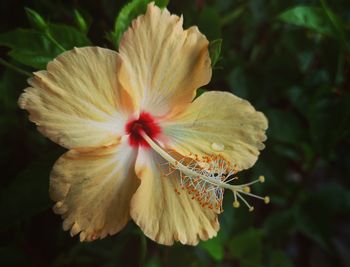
<point>219,123</point>
<point>77,101</point>
<point>162,63</point>
<point>164,215</point>
<point>93,190</point>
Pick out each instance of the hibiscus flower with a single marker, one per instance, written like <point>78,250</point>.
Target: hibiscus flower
<point>140,146</point>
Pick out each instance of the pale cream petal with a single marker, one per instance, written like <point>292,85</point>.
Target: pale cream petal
<point>219,123</point>
<point>163,215</point>
<point>92,190</point>
<point>77,102</point>
<point>162,63</point>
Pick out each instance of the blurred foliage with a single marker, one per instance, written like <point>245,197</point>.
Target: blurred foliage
<point>129,12</point>
<point>291,59</point>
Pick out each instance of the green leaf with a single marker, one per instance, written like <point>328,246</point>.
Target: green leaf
<point>214,247</point>
<point>38,49</point>
<point>278,258</point>
<point>154,262</point>
<point>42,44</point>
<point>160,3</point>
<point>215,51</point>
<point>80,22</point>
<point>317,211</point>
<point>180,256</point>
<point>209,22</point>
<point>233,15</point>
<point>67,36</point>
<point>27,194</point>
<point>238,81</point>
<point>247,247</point>
<point>127,14</point>
<point>201,91</point>
<point>280,224</point>
<point>35,52</point>
<point>10,82</point>
<point>312,18</point>
<point>284,126</point>
<point>338,25</point>
<point>36,19</point>
<point>329,119</point>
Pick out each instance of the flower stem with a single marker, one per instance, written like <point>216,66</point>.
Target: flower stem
<point>14,68</point>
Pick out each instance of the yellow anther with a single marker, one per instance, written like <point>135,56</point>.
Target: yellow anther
<point>246,189</point>
<point>262,178</point>
<point>267,200</point>
<point>206,177</point>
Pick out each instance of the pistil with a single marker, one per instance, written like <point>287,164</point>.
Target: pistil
<point>208,182</point>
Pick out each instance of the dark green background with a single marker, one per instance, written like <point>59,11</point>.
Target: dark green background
<point>294,68</point>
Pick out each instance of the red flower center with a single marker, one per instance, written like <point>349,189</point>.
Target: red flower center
<point>145,123</point>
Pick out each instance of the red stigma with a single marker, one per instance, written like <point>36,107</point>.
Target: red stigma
<point>145,123</point>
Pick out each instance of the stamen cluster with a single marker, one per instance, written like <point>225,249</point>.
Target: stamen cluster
<point>215,167</point>
<point>206,178</point>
